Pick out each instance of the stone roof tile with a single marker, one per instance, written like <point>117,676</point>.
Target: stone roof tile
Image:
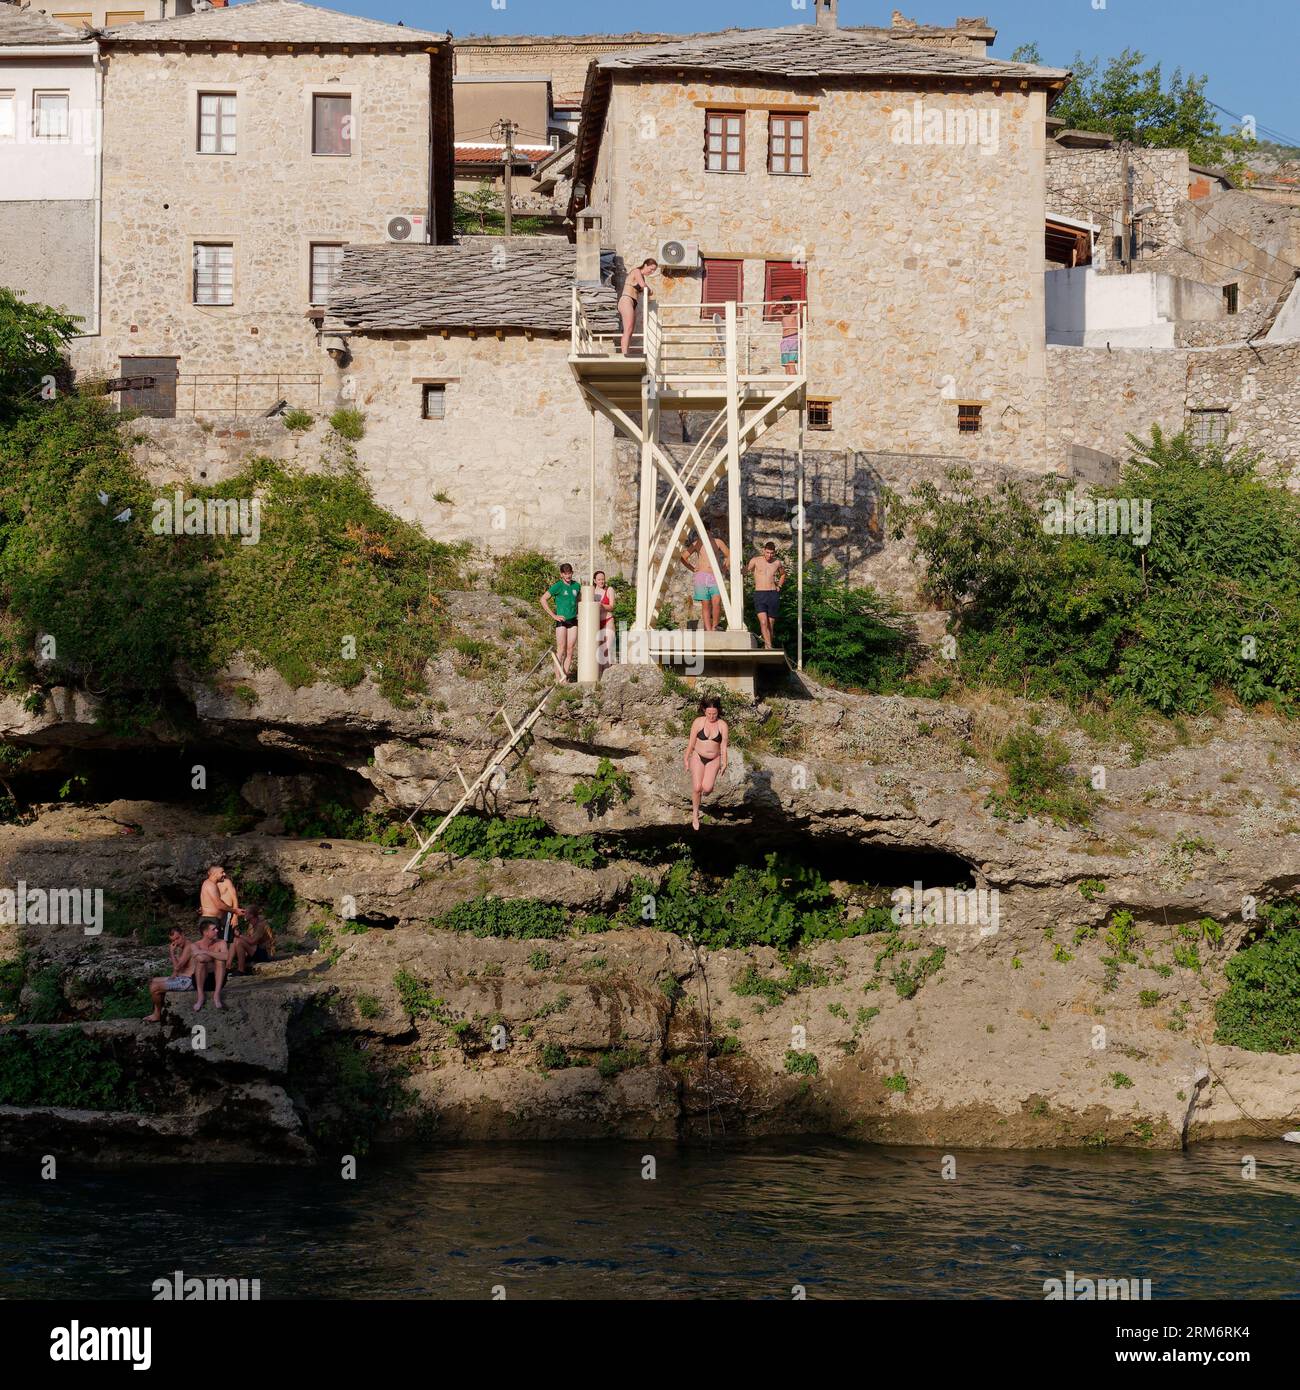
<point>31,26</point>
<point>481,282</point>
<point>270,21</point>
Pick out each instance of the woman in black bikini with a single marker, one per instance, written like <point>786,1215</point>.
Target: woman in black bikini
<point>627,300</point>
<point>706,752</point>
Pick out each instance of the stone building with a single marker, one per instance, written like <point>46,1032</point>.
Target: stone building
<point>49,162</point>
<point>244,147</point>
<point>459,356</point>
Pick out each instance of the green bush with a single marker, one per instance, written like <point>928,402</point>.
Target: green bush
<point>523,574</point>
<point>63,1067</point>
<point>1260,1009</point>
<point>598,793</point>
<point>348,423</point>
<point>514,837</point>
<point>1080,616</point>
<point>851,635</point>
<point>801,1063</point>
<point>1039,782</point>
<point>297,420</point>
<point>515,919</point>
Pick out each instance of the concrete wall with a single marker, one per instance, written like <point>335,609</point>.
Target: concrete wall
<point>480,102</point>
<point>47,250</point>
<point>43,170</point>
<point>924,261</point>
<point>270,200</point>
<point>512,453</point>
<point>1141,310</point>
<point>1099,397</point>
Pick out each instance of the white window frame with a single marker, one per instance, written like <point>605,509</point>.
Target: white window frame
<point>197,249</point>
<point>67,113</point>
<point>312,248</point>
<point>9,98</point>
<point>219,116</point>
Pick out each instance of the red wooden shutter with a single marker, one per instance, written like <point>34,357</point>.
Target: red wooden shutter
<point>722,281</point>
<point>783,277</point>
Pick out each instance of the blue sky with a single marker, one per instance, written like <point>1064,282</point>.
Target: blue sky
<point>1249,48</point>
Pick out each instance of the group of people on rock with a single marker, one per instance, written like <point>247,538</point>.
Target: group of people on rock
<point>224,947</point>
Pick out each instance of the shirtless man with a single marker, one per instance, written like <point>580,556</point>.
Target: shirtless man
<point>210,950</point>
<point>218,902</point>
<point>181,953</point>
<point>706,591</point>
<point>256,943</point>
<point>769,575</point>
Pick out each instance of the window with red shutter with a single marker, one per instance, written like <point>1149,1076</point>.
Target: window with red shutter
<point>782,278</point>
<point>723,280</point>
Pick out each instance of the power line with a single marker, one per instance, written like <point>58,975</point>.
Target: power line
<point>1275,135</point>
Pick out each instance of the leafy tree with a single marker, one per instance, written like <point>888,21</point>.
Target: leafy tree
<point>1135,103</point>
<point>33,343</point>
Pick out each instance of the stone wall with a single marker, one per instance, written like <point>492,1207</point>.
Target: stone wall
<point>47,251</point>
<point>271,199</point>
<point>924,261</point>
<point>512,455</point>
<point>1087,184</point>
<point>186,451</point>
<point>1099,397</point>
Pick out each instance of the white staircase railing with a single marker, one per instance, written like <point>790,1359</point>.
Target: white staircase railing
<point>470,789</point>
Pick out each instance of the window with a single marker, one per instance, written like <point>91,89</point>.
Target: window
<point>216,123</point>
<point>1210,428</point>
<point>8,122</point>
<point>723,280</point>
<point>50,115</point>
<point>787,144</point>
<point>1230,298</point>
<point>819,415</point>
<point>115,17</point>
<point>433,403</point>
<point>724,141</point>
<point>326,259</point>
<point>331,125</point>
<point>968,418</point>
<point>74,17</point>
<point>214,273</point>
<point>783,278</point>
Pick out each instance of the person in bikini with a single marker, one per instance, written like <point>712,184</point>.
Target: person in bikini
<point>181,954</point>
<point>605,600</point>
<point>789,336</point>
<point>629,296</point>
<point>255,944</point>
<point>706,752</point>
<point>566,592</point>
<point>706,591</point>
<point>769,575</point>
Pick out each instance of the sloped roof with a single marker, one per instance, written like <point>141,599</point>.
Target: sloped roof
<point>271,21</point>
<point>806,51</point>
<point>480,282</point>
<point>800,53</point>
<point>30,26</point>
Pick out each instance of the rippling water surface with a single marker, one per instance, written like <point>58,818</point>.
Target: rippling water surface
<point>738,1221</point>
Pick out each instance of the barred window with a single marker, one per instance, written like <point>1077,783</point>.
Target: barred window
<point>819,415</point>
<point>968,418</point>
<point>1209,428</point>
<point>326,259</point>
<point>214,273</point>
<point>433,401</point>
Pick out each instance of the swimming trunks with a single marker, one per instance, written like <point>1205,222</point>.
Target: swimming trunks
<point>567,622</point>
<point>706,586</point>
<point>789,348</point>
<point>766,600</point>
<point>179,982</point>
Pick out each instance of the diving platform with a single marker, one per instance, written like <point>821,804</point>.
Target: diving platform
<point>721,360</point>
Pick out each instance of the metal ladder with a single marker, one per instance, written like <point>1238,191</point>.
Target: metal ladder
<point>517,733</point>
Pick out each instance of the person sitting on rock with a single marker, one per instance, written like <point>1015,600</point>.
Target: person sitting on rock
<point>255,944</point>
<point>181,953</point>
<point>210,950</point>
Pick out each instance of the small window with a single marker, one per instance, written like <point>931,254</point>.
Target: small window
<point>787,144</point>
<point>326,261</point>
<point>1209,428</point>
<point>331,125</point>
<point>1230,298</point>
<point>50,115</point>
<point>214,273</point>
<point>433,404</point>
<point>968,419</point>
<point>819,415</point>
<point>724,141</point>
<point>216,123</point>
<point>723,280</point>
<point>8,123</point>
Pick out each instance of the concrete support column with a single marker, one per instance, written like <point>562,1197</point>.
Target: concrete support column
<point>588,636</point>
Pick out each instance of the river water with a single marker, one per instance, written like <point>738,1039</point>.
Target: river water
<point>574,1221</point>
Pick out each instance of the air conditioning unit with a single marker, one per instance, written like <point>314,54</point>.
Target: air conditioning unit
<point>679,255</point>
<point>406,226</point>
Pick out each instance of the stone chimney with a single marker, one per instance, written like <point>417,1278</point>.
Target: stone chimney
<point>587,270</point>
<point>827,17</point>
